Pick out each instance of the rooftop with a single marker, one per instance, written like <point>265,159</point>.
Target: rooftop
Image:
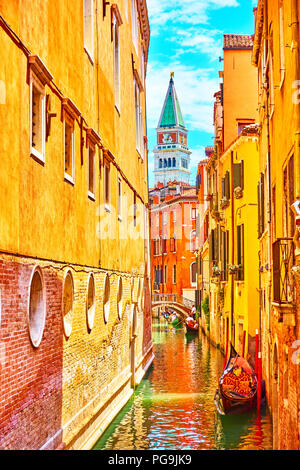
<point>237,41</point>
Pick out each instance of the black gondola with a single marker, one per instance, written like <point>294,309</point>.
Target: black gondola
<point>237,386</point>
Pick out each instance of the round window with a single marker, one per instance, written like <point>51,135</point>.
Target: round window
<point>106,299</point>
<point>120,297</point>
<point>37,308</point>
<point>68,298</point>
<point>91,302</point>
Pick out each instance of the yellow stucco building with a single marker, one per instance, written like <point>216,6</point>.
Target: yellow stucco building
<point>276,55</point>
<point>74,276</point>
<point>229,255</point>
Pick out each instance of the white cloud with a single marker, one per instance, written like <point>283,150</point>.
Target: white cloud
<point>195,89</point>
<point>184,11</point>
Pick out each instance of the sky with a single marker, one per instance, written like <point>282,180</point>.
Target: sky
<point>187,39</point>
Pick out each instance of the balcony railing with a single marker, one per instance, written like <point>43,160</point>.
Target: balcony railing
<point>283,261</point>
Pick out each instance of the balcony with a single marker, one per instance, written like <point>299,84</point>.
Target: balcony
<point>283,282</point>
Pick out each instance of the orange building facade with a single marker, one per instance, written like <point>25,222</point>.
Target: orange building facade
<point>173,204</point>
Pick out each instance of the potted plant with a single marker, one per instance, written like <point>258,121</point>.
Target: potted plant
<point>238,192</point>
<point>216,271</point>
<point>224,202</point>
<point>233,268</point>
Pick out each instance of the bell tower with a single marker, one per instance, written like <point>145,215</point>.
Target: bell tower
<point>171,153</point>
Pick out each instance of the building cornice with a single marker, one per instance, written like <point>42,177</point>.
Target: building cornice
<point>259,24</point>
<point>144,24</point>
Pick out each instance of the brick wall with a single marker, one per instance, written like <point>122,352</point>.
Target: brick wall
<point>51,395</point>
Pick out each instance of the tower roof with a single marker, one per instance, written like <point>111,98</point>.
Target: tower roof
<point>171,113</point>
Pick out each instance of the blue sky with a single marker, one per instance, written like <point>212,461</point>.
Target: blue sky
<point>186,38</point>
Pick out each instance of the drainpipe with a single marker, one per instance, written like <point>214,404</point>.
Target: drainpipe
<point>295,52</point>
<point>232,250</point>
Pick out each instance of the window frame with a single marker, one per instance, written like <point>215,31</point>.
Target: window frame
<point>36,341</point>
<point>91,147</point>
<point>68,328</point>
<point>193,283</point>
<point>91,312</point>
<point>35,82</point>
<point>89,48</point>
<point>117,71</point>
<point>107,192</point>
<point>67,119</point>
<point>120,199</point>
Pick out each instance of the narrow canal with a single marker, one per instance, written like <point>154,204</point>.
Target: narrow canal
<point>173,407</point>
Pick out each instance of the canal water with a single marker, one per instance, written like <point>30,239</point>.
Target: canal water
<point>173,407</point>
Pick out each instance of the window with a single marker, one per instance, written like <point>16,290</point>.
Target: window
<point>116,61</point>
<point>174,216</point>
<point>68,298</point>
<point>226,186</point>
<point>69,148</point>
<point>90,304</point>
<point>165,218</point>
<point>107,186</point>
<point>173,244</point>
<point>138,119</point>
<point>91,171</point>
<point>37,308</point>
<point>106,299</point>
<point>240,252</point>
<point>165,249</point>
<point>88,28</point>
<point>224,254</point>
<point>238,175</point>
<point>174,274</point>
<point>193,273</point>
<point>119,199</point>
<point>120,298</point>
<point>261,205</point>
<point>37,119</point>
<point>193,213</point>
<point>134,24</point>
<point>193,240</point>
<point>166,272</point>
<point>281,41</point>
<point>288,198</point>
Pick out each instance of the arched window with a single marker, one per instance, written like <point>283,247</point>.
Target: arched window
<point>165,162</point>
<point>174,162</point>
<point>37,308</point>
<point>106,299</point>
<point>193,273</point>
<point>120,298</point>
<point>68,299</point>
<point>160,163</point>
<point>169,162</point>
<point>90,303</point>
<point>193,240</point>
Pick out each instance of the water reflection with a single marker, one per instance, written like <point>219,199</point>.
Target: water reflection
<point>173,408</point>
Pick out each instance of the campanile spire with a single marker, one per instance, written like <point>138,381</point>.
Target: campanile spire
<point>171,154</point>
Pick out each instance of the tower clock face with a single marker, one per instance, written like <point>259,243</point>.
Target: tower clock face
<point>167,139</point>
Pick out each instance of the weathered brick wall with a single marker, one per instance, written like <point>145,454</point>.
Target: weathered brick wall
<point>51,394</point>
<point>31,379</point>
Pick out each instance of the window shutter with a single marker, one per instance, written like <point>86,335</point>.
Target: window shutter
<point>223,188</point>
<point>242,173</point>
<point>236,175</point>
<point>227,185</point>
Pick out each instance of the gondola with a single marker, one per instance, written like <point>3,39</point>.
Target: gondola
<point>237,386</point>
<point>192,326</point>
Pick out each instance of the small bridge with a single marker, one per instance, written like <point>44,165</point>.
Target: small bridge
<point>175,302</point>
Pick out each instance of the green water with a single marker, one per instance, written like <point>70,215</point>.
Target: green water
<point>173,407</point>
